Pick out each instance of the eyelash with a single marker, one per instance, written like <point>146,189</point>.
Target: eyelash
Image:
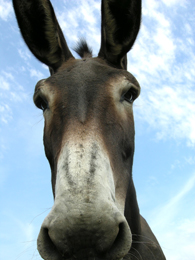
<point>129,96</point>
<point>41,103</point>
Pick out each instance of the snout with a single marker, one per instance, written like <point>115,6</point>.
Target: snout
<point>98,232</point>
<point>85,221</point>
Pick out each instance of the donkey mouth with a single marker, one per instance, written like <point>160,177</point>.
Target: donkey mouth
<point>89,254</point>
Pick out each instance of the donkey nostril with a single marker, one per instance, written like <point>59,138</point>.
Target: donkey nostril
<point>47,247</point>
<point>65,238</point>
<point>44,236</point>
<point>122,242</point>
<point>120,236</point>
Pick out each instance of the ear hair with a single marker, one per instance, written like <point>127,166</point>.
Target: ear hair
<point>82,49</point>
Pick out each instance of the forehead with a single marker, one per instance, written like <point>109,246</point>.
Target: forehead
<point>87,74</point>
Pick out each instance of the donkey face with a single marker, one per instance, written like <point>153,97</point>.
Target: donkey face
<point>89,142</point>
<point>88,133</point>
<point>88,96</point>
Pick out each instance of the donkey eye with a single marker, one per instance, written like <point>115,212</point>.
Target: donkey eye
<point>41,103</point>
<point>130,95</point>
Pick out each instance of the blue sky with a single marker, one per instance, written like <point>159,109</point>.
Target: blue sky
<point>162,60</point>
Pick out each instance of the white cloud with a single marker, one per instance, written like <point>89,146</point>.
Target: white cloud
<point>87,11</point>
<point>4,85</point>
<point>152,6</point>
<point>5,109</point>
<point>176,199</point>
<point>167,103</point>
<point>178,242</point>
<point>86,18</point>
<point>5,9</point>
<point>163,62</point>
<point>8,75</point>
<point>37,74</point>
<point>10,94</point>
<point>24,54</point>
<point>174,2</point>
<point>166,214</point>
<point>190,160</point>
<point>187,226</point>
<point>5,113</point>
<point>174,232</point>
<point>18,234</point>
<point>171,112</point>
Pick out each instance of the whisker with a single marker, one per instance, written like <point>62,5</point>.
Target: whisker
<point>35,251</point>
<point>151,241</point>
<point>137,253</point>
<point>133,255</point>
<point>23,252</point>
<point>150,251</point>
<point>31,241</point>
<point>36,123</point>
<point>39,215</point>
<point>145,243</point>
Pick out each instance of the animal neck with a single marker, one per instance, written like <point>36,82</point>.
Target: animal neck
<point>132,214</point>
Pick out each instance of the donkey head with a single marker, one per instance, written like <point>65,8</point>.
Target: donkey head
<point>88,133</point>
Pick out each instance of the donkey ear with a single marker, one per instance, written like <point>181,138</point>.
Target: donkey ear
<point>120,26</point>
<point>41,32</point>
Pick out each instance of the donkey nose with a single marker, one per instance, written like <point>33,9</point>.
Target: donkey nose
<point>84,235</point>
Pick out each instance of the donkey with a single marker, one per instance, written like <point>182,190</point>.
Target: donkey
<point>87,105</point>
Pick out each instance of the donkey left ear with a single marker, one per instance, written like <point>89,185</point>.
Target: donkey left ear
<point>120,26</point>
<point>41,32</point>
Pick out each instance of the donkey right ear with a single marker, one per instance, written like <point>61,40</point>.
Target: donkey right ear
<point>41,32</point>
<point>119,28</point>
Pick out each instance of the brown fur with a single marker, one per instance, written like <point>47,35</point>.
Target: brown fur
<point>90,99</point>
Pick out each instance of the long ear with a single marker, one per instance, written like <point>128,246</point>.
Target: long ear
<point>41,31</point>
<point>120,26</point>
